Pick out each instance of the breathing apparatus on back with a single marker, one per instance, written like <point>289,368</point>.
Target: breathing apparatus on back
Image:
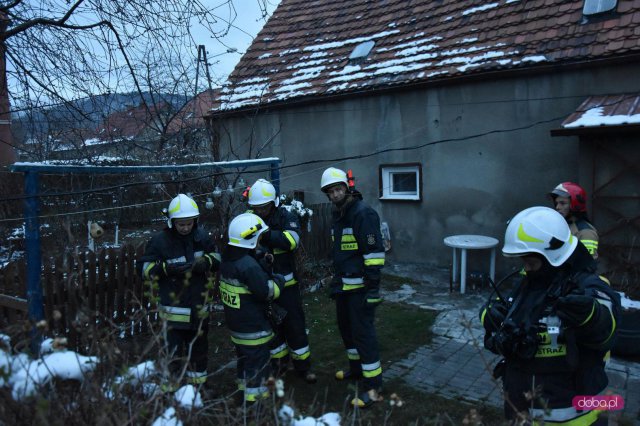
<point>351,185</point>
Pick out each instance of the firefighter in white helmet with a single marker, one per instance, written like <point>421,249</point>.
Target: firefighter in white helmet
<point>280,244</point>
<point>181,259</point>
<point>554,329</point>
<point>358,257</point>
<point>246,291</point>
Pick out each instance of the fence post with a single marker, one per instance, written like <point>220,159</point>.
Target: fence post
<point>91,282</point>
<point>48,292</point>
<point>32,235</point>
<point>121,316</point>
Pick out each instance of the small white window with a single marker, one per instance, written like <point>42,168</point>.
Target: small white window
<point>400,182</point>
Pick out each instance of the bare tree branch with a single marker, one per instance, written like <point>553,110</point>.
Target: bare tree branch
<point>42,21</point>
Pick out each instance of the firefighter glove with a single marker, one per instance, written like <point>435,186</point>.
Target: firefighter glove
<point>200,266</point>
<point>575,310</point>
<point>208,262</point>
<point>494,314</point>
<point>177,269</point>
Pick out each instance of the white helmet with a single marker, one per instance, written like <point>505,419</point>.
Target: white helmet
<point>539,230</point>
<point>263,192</point>
<point>182,207</point>
<point>332,176</point>
<point>245,229</point>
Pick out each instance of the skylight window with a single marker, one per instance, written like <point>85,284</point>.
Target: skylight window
<point>594,7</point>
<point>361,51</point>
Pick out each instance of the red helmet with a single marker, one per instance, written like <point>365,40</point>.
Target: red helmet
<point>575,193</point>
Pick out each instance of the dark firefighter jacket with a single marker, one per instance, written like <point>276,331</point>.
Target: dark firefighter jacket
<point>245,290</point>
<point>575,364</point>
<point>282,242</point>
<point>183,297</point>
<point>358,251</point>
<point>587,234</point>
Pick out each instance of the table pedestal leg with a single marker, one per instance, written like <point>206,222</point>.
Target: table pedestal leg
<point>492,268</point>
<point>463,270</point>
<point>455,266</point>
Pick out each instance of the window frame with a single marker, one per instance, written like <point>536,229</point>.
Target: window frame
<point>384,177</point>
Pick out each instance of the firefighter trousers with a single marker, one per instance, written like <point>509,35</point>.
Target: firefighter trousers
<point>291,341</point>
<point>253,371</point>
<point>178,346</point>
<point>356,324</point>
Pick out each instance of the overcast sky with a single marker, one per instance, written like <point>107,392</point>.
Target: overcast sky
<point>243,19</point>
<point>248,22</point>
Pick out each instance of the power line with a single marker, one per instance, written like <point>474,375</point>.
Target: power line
<point>304,163</point>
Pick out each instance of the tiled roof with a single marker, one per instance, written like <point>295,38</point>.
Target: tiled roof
<point>191,115</point>
<point>611,110</point>
<point>303,49</point>
<point>129,123</point>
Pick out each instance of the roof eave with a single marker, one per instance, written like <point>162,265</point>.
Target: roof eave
<point>596,131</point>
<point>489,74</point>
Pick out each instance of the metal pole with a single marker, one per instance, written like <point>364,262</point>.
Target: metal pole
<point>32,236</point>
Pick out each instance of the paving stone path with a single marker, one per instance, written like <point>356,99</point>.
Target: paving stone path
<point>455,363</point>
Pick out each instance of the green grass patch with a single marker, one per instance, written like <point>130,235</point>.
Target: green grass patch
<point>401,329</point>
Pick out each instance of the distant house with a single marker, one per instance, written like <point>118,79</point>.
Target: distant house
<point>139,134</point>
<point>122,137</point>
<point>443,109</point>
<point>188,129</point>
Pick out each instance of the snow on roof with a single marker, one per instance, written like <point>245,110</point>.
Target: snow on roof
<point>303,50</point>
<point>611,110</point>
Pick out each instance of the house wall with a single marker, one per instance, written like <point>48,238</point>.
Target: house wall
<point>495,155</point>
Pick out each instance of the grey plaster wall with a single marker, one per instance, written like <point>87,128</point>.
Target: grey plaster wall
<point>490,152</point>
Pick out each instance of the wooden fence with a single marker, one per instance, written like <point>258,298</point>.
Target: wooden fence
<point>316,237</point>
<point>103,289</point>
<point>82,290</point>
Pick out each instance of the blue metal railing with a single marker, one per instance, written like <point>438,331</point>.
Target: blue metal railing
<point>32,206</point>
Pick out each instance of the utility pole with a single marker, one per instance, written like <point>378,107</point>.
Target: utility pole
<point>202,58</point>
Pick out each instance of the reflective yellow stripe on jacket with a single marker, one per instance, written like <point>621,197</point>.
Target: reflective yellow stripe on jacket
<point>252,339</point>
<point>352,283</point>
<point>591,245</point>
<point>230,291</point>
<point>348,240</point>
<point>289,280</point>
<point>374,259</point>
<point>293,238</point>
<point>175,313</point>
